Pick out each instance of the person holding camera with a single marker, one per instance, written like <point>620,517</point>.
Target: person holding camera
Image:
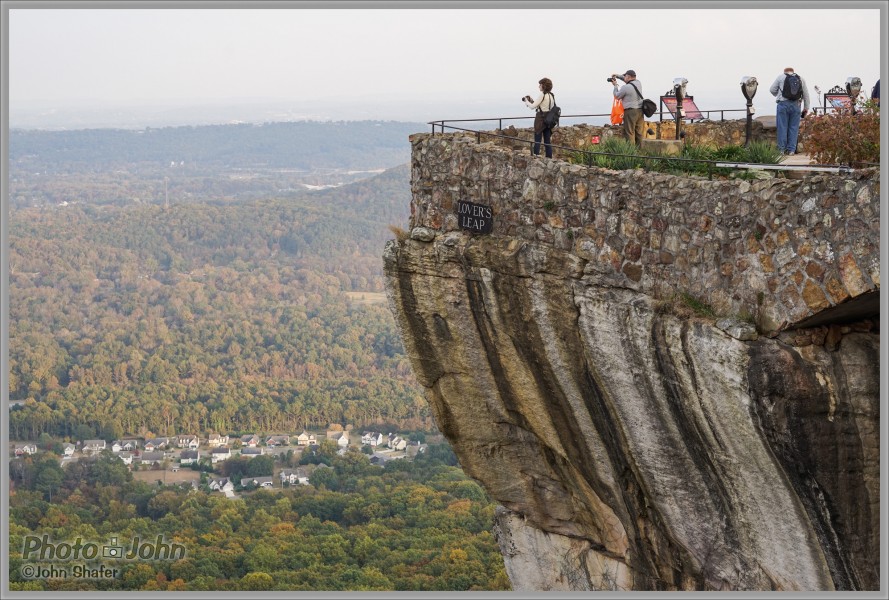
<point>542,105</point>
<point>630,94</point>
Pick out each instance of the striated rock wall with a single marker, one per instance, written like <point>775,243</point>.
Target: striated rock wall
<point>636,449</point>
<point>633,444</point>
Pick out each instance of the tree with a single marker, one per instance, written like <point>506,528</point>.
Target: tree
<point>257,581</point>
<point>49,479</point>
<point>325,478</point>
<point>108,469</point>
<point>260,466</point>
<point>83,432</point>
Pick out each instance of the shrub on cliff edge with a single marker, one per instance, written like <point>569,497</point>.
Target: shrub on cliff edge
<point>844,138</point>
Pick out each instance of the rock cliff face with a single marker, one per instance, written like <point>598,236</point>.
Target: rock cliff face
<point>632,444</point>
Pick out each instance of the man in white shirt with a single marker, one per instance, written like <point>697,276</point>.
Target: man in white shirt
<point>788,114</point>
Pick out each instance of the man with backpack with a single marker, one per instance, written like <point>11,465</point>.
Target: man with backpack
<point>789,89</point>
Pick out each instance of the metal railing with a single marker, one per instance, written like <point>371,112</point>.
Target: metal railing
<point>589,156</point>
<point>659,115</point>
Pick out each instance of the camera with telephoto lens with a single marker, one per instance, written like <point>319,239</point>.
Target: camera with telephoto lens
<point>611,79</point>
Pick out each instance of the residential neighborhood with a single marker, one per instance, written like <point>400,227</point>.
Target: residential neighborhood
<point>201,456</point>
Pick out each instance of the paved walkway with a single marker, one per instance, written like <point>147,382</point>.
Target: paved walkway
<point>797,159</point>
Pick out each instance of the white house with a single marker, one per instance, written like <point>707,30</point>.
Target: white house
<point>293,477</point>
<point>92,446</point>
<point>306,439</point>
<point>341,438</point>
<point>251,452</point>
<point>251,441</point>
<point>157,444</point>
<point>150,458</point>
<point>372,438</point>
<point>126,457</point>
<point>68,449</point>
<point>215,440</point>
<point>188,457</point>
<point>220,454</point>
<point>259,481</point>
<point>29,449</point>
<point>397,443</point>
<point>123,445</point>
<point>188,441</point>
<point>221,484</point>
<point>277,440</point>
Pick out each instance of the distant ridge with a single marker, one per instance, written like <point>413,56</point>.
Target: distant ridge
<point>297,145</point>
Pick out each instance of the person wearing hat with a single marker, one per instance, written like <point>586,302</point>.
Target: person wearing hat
<point>630,95</point>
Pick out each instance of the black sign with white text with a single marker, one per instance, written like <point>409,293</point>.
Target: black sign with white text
<point>477,218</point>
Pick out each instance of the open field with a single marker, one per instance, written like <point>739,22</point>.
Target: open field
<point>153,476</point>
<point>367,297</point>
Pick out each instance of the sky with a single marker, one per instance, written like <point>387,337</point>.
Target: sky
<point>416,64</point>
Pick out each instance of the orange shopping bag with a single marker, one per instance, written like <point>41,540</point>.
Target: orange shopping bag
<point>617,112</point>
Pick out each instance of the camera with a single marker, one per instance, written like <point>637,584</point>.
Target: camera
<point>611,79</point>
<point>112,551</point>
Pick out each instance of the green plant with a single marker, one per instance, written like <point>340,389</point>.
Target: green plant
<point>700,153</point>
<point>730,154</point>
<point>612,153</point>
<point>842,137</point>
<point>694,159</point>
<point>700,308</point>
<point>549,205</point>
<point>764,153</point>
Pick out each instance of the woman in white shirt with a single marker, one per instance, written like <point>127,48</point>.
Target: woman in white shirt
<point>542,105</point>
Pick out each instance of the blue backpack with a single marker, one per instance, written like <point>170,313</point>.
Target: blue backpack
<point>793,87</point>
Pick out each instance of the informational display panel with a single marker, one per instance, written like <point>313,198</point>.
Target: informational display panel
<point>688,105</point>
<point>837,101</point>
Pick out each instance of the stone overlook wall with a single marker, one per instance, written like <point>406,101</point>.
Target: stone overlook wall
<point>777,250</point>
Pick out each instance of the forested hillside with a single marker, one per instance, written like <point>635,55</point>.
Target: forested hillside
<point>249,315</point>
<point>185,281</point>
<point>411,525</point>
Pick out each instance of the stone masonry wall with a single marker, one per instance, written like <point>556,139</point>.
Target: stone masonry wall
<point>714,133</point>
<point>777,250</point>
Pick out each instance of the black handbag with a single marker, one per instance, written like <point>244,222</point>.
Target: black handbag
<point>648,106</point>
<point>551,117</point>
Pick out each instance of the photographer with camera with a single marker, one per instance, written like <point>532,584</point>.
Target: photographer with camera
<point>630,94</point>
<point>543,104</point>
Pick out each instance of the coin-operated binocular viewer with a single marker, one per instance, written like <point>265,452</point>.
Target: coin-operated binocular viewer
<point>748,88</point>
<point>853,88</point>
<point>679,85</point>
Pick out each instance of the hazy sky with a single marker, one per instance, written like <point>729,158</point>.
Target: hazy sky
<point>457,60</point>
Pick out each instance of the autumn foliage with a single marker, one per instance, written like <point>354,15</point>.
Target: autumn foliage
<point>842,137</point>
